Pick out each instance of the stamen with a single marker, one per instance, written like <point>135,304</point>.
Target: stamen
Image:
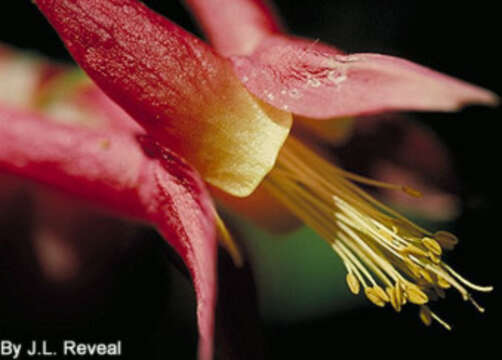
<point>392,298</point>
<point>476,305</point>
<point>393,259</point>
<point>441,321</point>
<point>443,283</point>
<point>366,259</point>
<point>353,283</point>
<point>226,240</point>
<point>357,263</point>
<point>466,282</point>
<point>374,296</point>
<point>425,315</point>
<point>446,239</point>
<point>412,192</point>
<point>432,245</point>
<point>415,295</point>
<point>363,180</point>
<point>398,294</point>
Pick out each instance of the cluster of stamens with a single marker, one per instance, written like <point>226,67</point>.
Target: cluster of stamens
<point>394,260</point>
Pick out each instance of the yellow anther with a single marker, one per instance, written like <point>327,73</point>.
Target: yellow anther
<point>411,192</point>
<point>227,241</point>
<point>414,250</point>
<point>425,315</point>
<point>443,283</point>
<point>398,295</point>
<point>413,268</point>
<point>387,236</point>
<point>446,239</point>
<point>427,276</point>
<point>373,296</point>
<point>435,259</point>
<point>415,295</point>
<point>353,283</point>
<point>381,292</point>
<point>432,245</point>
<point>390,293</point>
<point>392,298</point>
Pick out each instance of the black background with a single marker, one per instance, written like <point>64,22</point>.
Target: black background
<point>459,38</point>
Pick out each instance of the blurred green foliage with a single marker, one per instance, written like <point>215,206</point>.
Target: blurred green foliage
<point>298,275</point>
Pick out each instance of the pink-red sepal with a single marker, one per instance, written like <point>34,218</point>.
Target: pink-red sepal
<point>314,80</point>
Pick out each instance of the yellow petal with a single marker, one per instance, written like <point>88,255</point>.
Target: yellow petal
<point>236,140</point>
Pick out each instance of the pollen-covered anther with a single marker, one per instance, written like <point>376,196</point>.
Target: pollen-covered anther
<point>410,191</point>
<point>394,301</point>
<point>374,296</point>
<point>425,315</point>
<point>353,283</point>
<point>432,245</point>
<point>398,295</point>
<point>443,283</point>
<point>415,295</point>
<point>413,250</point>
<point>390,257</point>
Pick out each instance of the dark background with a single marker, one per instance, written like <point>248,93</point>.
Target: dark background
<point>459,38</point>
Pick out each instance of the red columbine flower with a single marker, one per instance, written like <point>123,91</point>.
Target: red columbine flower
<point>198,104</point>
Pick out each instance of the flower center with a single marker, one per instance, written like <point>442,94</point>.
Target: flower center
<point>394,260</point>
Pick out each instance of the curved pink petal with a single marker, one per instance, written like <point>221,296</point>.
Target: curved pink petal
<point>317,81</point>
<point>116,173</point>
<point>235,27</point>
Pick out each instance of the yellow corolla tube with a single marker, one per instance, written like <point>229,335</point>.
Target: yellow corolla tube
<point>235,141</point>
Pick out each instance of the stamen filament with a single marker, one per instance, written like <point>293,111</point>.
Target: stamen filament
<point>357,263</point>
<point>366,259</point>
<point>441,321</point>
<point>377,245</point>
<point>466,282</point>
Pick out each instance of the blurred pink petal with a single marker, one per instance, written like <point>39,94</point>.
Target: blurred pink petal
<point>316,81</point>
<point>235,27</point>
<point>115,173</point>
<point>434,204</point>
<point>403,152</point>
<point>73,241</point>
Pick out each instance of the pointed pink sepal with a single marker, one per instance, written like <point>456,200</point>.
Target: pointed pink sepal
<point>314,80</point>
